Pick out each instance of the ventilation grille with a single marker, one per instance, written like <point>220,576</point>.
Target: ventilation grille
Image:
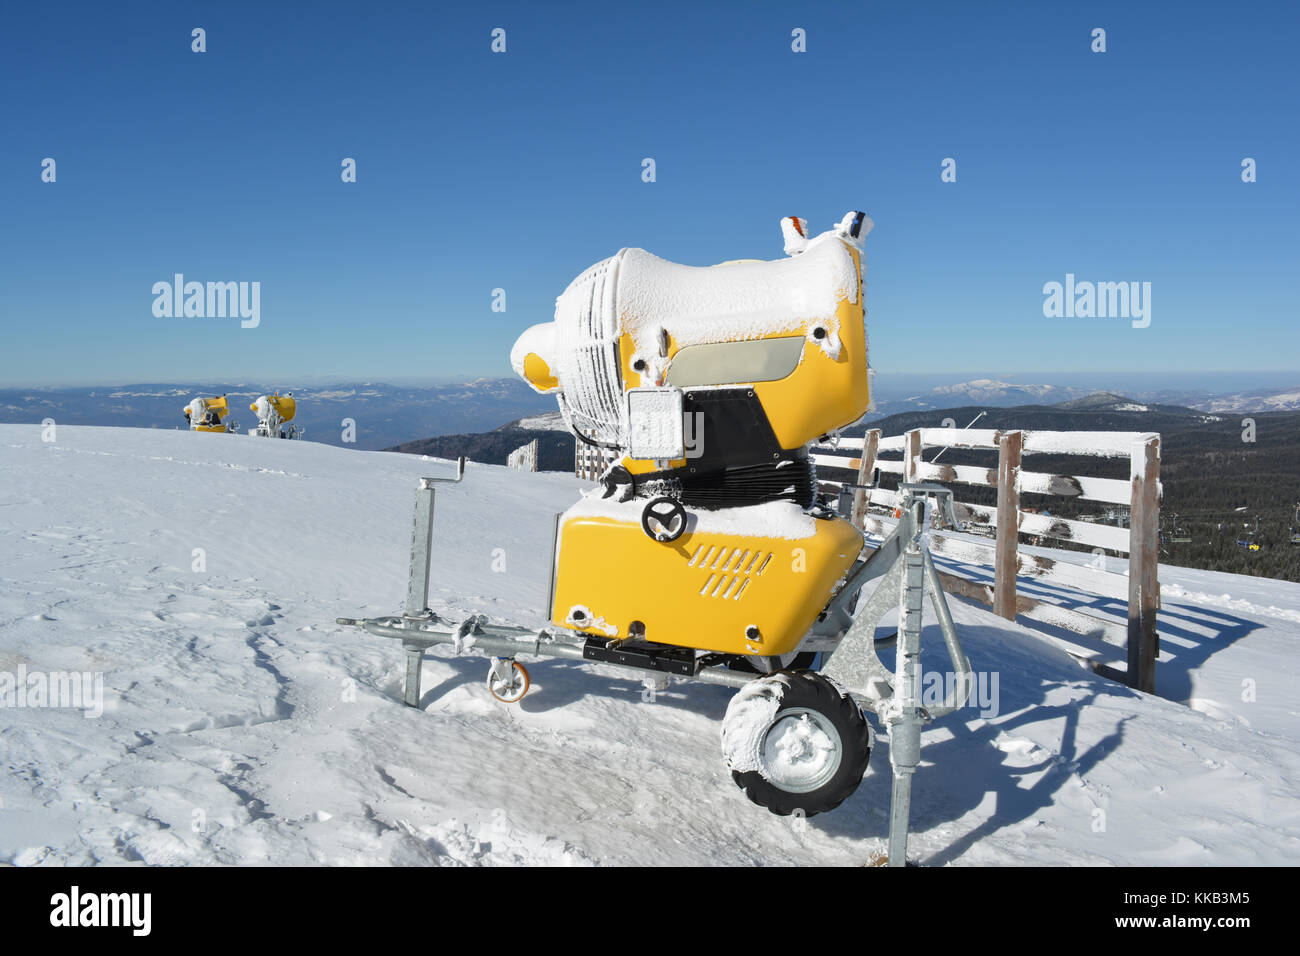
<point>587,352</point>
<point>727,573</point>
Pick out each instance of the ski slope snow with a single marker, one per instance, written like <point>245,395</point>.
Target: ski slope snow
<point>200,575</point>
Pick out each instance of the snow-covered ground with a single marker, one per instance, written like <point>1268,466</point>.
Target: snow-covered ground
<point>200,575</point>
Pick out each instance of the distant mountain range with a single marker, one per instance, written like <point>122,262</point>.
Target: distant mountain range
<point>995,394</point>
<point>981,391</point>
<point>390,415</point>
<point>1101,411</point>
<point>1272,400</point>
<point>385,415</point>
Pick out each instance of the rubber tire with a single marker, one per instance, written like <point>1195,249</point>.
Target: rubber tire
<point>813,691</point>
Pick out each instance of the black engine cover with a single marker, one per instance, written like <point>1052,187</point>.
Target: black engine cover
<point>739,460</point>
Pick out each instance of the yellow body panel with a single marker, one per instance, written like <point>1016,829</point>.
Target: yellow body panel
<point>219,404</point>
<point>822,394</point>
<point>284,406</point>
<point>702,590</point>
<point>210,428</point>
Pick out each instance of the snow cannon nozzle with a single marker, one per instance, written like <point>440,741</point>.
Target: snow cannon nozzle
<point>854,226</point>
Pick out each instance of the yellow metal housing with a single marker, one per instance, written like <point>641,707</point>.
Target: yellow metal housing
<point>217,405</point>
<point>703,590</point>
<point>284,406</point>
<point>538,374</point>
<point>821,394</point>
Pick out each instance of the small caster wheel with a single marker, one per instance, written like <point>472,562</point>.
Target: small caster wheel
<point>508,680</point>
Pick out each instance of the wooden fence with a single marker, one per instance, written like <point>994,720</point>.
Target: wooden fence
<point>523,458</point>
<point>1094,638</point>
<point>590,462</point>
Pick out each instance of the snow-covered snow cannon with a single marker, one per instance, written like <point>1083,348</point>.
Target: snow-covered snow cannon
<point>706,553</point>
<point>210,415</point>
<point>274,412</point>
<point>706,386</point>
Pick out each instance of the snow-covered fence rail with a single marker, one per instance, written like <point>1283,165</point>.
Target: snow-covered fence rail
<point>1007,521</point>
<point>523,458</point>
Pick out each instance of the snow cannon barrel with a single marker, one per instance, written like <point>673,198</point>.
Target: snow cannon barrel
<point>785,339</point>
<point>208,414</point>
<point>283,405</point>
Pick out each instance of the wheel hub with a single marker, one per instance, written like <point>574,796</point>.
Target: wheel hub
<point>801,751</point>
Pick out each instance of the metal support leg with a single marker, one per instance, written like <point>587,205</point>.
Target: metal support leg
<point>844,505</point>
<point>906,572</point>
<point>417,588</point>
<point>414,658</point>
<point>905,724</point>
<point>417,592</point>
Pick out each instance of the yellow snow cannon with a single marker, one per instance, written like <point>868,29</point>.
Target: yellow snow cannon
<point>210,415</point>
<point>705,386</point>
<point>273,413</point>
<point>706,553</point>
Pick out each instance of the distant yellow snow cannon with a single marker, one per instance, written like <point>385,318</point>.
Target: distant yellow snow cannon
<point>708,553</point>
<point>274,412</point>
<point>210,415</point>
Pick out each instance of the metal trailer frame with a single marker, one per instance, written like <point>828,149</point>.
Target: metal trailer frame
<point>845,631</point>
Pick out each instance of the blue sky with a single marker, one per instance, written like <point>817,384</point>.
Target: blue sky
<point>517,170</point>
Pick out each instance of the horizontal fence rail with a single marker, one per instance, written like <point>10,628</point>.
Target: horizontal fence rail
<point>1098,444</point>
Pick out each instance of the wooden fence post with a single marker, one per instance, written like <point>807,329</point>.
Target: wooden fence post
<point>589,461</point>
<point>870,445</point>
<point>1143,565</point>
<point>911,454</point>
<point>1007,560</point>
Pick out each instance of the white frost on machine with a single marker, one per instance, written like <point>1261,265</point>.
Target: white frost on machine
<point>274,412</point>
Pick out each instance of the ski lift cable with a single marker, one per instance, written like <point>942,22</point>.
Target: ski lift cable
<point>946,447</point>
